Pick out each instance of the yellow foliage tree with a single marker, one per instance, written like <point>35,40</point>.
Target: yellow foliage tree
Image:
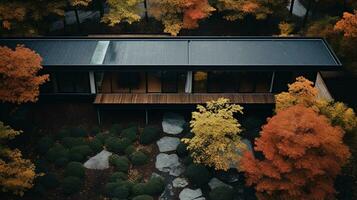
<point>216,134</point>
<point>303,92</point>
<point>123,10</point>
<point>286,29</point>
<point>16,174</point>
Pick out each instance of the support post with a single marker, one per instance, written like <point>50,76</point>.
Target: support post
<point>146,116</point>
<point>272,82</point>
<point>291,6</point>
<point>188,85</point>
<point>92,82</point>
<point>146,11</point>
<point>99,116</point>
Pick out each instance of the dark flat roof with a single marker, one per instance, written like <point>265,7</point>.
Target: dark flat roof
<point>274,52</point>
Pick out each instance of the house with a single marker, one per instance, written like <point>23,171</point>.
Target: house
<point>145,72</point>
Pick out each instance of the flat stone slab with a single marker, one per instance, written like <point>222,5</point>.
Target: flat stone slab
<point>166,143</point>
<point>169,163</point>
<point>99,161</point>
<point>173,123</point>
<point>215,182</point>
<point>179,183</point>
<point>189,194</point>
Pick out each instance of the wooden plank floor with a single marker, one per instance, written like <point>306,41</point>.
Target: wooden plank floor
<point>161,98</point>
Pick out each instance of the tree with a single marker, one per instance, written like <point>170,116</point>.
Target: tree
<point>286,29</point>
<point>303,92</point>
<point>19,81</point>
<point>119,11</point>
<point>216,134</point>
<point>348,24</point>
<point>178,14</point>
<point>303,154</point>
<point>16,174</point>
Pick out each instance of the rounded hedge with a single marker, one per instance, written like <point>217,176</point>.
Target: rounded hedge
<point>77,157</point>
<point>75,169</point>
<point>116,176</point>
<point>71,185</point>
<point>49,181</point>
<point>116,129</point>
<point>56,152</point>
<point>198,175</point>
<point>149,135</point>
<point>102,137</point>
<point>120,190</point>
<point>121,163</point>
<point>187,160</point>
<point>95,130</point>
<point>44,144</point>
<point>129,150</point>
<point>139,189</point>
<point>84,150</point>
<point>130,133</point>
<point>96,145</point>
<point>221,193</point>
<point>78,132</point>
<point>70,142</point>
<point>155,186</point>
<point>61,162</point>
<point>65,132</point>
<point>117,145</point>
<point>182,150</point>
<point>139,158</point>
<point>143,197</point>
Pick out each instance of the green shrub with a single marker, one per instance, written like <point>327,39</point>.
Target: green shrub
<point>56,152</point>
<point>116,129</point>
<point>41,166</point>
<point>117,145</point>
<point>129,150</point>
<point>198,175</point>
<point>65,132</point>
<point>74,169</point>
<point>143,197</point>
<point>102,137</point>
<point>116,176</point>
<point>139,189</point>
<point>70,142</point>
<point>120,190</point>
<point>61,162</point>
<point>96,145</point>
<point>71,185</point>
<point>121,163</point>
<point>78,132</point>
<point>221,193</point>
<point>77,157</point>
<point>130,133</point>
<point>44,144</point>
<point>155,186</point>
<point>95,130</point>
<point>182,150</point>
<point>149,135</point>
<point>84,150</point>
<point>187,160</point>
<point>49,181</point>
<point>132,124</point>
<point>139,158</point>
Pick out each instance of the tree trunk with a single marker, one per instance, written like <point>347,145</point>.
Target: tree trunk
<point>146,11</point>
<point>291,6</point>
<point>307,13</point>
<point>101,8</point>
<point>77,19</point>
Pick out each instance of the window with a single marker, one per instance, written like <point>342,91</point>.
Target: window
<point>169,81</point>
<point>222,81</point>
<point>200,82</point>
<point>72,82</point>
<point>154,81</point>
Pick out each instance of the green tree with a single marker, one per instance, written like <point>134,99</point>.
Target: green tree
<point>216,134</point>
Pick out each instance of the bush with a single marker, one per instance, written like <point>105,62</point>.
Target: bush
<point>120,190</point>
<point>221,193</point>
<point>129,150</point>
<point>49,181</point>
<point>117,145</point>
<point>70,142</point>
<point>143,197</point>
<point>198,175</point>
<point>75,169</point>
<point>139,158</point>
<point>77,157</point>
<point>121,163</point>
<point>65,132</point>
<point>187,160</point>
<point>71,185</point>
<point>96,145</point>
<point>61,162</point>
<point>139,189</point>
<point>132,124</point>
<point>155,186</point>
<point>95,130</point>
<point>78,132</point>
<point>182,150</point>
<point>116,129</point>
<point>44,144</point>
<point>149,135</point>
<point>56,152</point>
<point>116,176</point>
<point>84,150</point>
<point>41,166</point>
<point>102,137</point>
<point>130,133</point>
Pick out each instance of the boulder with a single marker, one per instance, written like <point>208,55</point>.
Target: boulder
<point>99,161</point>
<point>166,144</point>
<point>169,163</point>
<point>189,194</point>
<point>173,123</point>
<point>179,183</point>
<point>215,182</point>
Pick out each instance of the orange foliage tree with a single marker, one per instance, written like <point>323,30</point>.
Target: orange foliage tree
<point>348,24</point>
<point>303,154</point>
<point>19,81</point>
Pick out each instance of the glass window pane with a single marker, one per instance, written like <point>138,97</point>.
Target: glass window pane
<point>200,81</point>
<point>246,82</point>
<point>181,82</point>
<point>154,81</point>
<point>102,82</point>
<point>81,82</point>
<point>281,81</point>
<point>65,82</point>
<point>263,81</point>
<point>222,81</point>
<point>120,82</point>
<point>169,81</point>
<point>139,82</point>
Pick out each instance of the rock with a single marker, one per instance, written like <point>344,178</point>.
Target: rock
<point>234,165</point>
<point>179,182</point>
<point>99,161</point>
<point>169,163</point>
<point>189,194</point>
<point>200,198</point>
<point>172,123</point>
<point>230,176</point>
<point>156,175</point>
<point>166,144</point>
<point>215,182</point>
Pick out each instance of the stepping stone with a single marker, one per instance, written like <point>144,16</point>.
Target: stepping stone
<point>189,194</point>
<point>99,161</point>
<point>169,163</point>
<point>173,123</point>
<point>215,182</point>
<point>166,144</point>
<point>179,183</point>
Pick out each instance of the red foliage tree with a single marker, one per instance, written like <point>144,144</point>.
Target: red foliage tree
<point>194,11</point>
<point>19,81</point>
<point>303,154</point>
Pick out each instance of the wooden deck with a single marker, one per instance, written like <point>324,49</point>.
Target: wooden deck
<point>167,98</point>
